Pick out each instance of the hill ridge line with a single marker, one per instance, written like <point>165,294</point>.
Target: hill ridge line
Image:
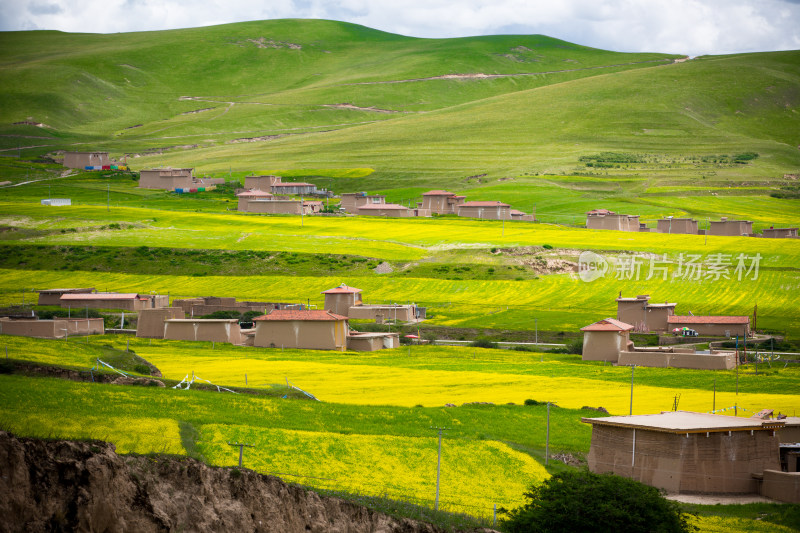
<point>493,76</point>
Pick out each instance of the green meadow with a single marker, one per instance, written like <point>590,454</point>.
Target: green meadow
<point>550,127</point>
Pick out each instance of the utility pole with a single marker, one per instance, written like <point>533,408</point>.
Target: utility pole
<point>108,197</point>
<point>547,438</point>
<point>241,446</point>
<point>630,412</point>
<point>438,465</point>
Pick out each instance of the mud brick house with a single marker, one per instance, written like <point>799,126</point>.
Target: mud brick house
<point>346,301</point>
<point>385,210</point>
<point>52,329</point>
<point>643,315</point>
<point>605,339</point>
<point>491,210</point>
<point>727,326</point>
<point>677,225</point>
<point>313,329</point>
<point>114,300</point>
<point>516,214</point>
<point>263,183</point>
<point>730,228</point>
<point>351,201</point>
<point>441,202</point>
<point>150,322</point>
<point>686,452</point>
<point>167,179</point>
<point>372,341</point>
<point>253,194</point>
<point>271,206</point>
<point>779,233</point>
<point>82,160</point>
<point>203,329</point>
<point>206,305</point>
<point>53,296</point>
<point>608,220</point>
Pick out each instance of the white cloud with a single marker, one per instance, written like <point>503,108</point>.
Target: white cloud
<point>680,26</point>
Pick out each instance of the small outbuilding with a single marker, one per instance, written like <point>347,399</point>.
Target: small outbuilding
<point>671,225</point>
<point>730,228</point>
<point>113,300</point>
<point>609,220</point>
<point>779,233</point>
<point>81,160</point>
<point>385,210</point>
<point>167,179</point>
<point>605,339</point>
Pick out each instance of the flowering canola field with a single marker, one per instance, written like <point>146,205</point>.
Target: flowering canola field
<point>475,475</point>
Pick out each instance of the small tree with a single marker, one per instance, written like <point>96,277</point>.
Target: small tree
<point>582,501</point>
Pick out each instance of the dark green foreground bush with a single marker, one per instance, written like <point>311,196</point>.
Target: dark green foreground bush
<point>583,501</point>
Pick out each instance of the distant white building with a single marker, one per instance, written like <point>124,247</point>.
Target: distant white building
<point>57,201</point>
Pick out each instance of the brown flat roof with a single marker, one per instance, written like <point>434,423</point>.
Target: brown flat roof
<point>65,291</point>
<point>254,192</point>
<point>396,207</point>
<point>678,319</point>
<point>608,324</point>
<point>494,203</point>
<point>202,320</point>
<point>101,296</point>
<point>685,422</point>
<point>290,314</point>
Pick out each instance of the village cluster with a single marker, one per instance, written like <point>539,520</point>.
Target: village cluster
<point>271,195</point>
<point>683,452</point>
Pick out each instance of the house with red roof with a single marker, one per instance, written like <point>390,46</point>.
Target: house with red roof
<point>728,326</point>
<point>441,202</point>
<point>605,339</point>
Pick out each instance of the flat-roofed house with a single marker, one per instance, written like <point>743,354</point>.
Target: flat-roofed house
<point>727,326</point>
<point>263,183</point>
<point>53,296</point>
<point>516,214</point>
<point>730,228</point>
<point>298,188</point>
<point>643,315</point>
<point>203,329</point>
<point>385,210</point>
<point>253,194</point>
<point>608,220</point>
<point>57,328</point>
<point>167,179</point>
<point>82,160</point>
<point>605,339</point>
<point>491,210</point>
<point>677,225</point>
<point>114,300</point>
<point>441,202</point>
<point>272,206</point>
<point>351,201</point>
<point>313,330</point>
<point>372,341</point>
<point>150,323</point>
<point>779,233</point>
<point>340,299</point>
<point>686,452</point>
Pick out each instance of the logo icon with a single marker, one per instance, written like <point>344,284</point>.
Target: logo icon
<point>591,266</point>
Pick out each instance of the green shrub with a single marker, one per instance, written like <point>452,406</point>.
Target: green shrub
<point>483,342</point>
<point>142,369</point>
<point>587,502</point>
<point>547,247</point>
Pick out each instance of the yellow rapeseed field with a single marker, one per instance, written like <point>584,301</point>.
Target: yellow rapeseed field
<point>475,475</point>
<point>388,385</point>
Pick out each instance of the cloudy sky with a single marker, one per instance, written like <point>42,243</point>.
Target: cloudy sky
<point>692,27</point>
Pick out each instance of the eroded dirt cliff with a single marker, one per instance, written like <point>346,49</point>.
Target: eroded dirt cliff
<point>86,486</point>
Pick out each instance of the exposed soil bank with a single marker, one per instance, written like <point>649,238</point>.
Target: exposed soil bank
<point>86,486</point>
